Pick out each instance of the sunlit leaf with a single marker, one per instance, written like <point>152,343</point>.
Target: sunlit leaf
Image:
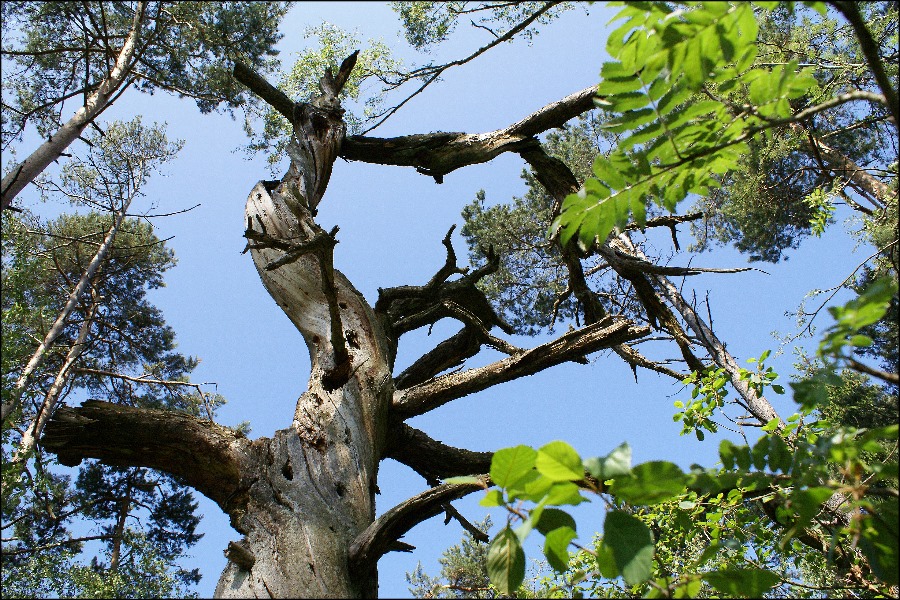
<point>650,483</point>
<point>556,547</point>
<point>558,461</point>
<point>511,464</point>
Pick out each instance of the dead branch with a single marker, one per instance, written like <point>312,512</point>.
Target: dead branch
<point>371,544</point>
<point>446,355</point>
<point>430,458</point>
<point>409,307</point>
<point>452,513</point>
<point>207,456</point>
<point>574,345</point>
<point>437,154</point>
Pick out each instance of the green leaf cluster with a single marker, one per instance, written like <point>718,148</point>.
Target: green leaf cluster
<point>658,514</point>
<point>671,143</point>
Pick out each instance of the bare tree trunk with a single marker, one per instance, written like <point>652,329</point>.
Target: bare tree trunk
<point>60,323</point>
<point>25,172</point>
<point>33,432</point>
<point>316,480</point>
<point>124,506</point>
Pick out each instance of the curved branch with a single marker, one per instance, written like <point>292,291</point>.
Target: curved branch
<point>436,154</point>
<point>377,539</point>
<point>446,355</point>
<point>207,456</point>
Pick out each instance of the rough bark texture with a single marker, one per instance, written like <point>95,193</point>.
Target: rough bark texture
<point>210,458</point>
<point>315,481</point>
<point>304,499</point>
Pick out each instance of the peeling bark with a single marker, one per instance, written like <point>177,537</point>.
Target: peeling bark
<point>315,487</point>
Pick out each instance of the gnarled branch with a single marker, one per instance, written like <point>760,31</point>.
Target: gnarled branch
<point>208,457</point>
<point>574,345</point>
<point>436,154</point>
<point>430,458</point>
<point>372,543</point>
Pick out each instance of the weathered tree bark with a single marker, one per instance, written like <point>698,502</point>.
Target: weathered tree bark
<point>304,499</point>
<point>25,172</point>
<point>315,492</point>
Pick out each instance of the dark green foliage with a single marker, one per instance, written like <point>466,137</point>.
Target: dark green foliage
<point>463,571</point>
<point>128,336</point>
<point>170,522</point>
<point>532,275</point>
<point>64,49</point>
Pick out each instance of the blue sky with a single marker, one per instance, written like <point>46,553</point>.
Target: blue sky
<point>391,223</point>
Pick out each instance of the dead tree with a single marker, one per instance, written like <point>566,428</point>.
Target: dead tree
<point>304,499</point>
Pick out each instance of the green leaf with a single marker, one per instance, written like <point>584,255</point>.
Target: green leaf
<point>630,120</point>
<point>617,462</point>
<point>879,542</point>
<point>606,561</point>
<point>726,453</point>
<point>511,464</point>
<point>743,458</point>
<point>631,544</point>
<point>556,547</point>
<point>564,492</point>
<point>650,483</point>
<point>760,452</point>
<point>506,561</point>
<point>533,486</point>
<point>639,209</point>
<point>554,518</point>
<point>606,171</point>
<point>492,498</point>
<point>689,588</point>
<point>861,341</point>
<point>709,552</point>
<point>780,456</point>
<point>808,502</point>
<point>558,461</point>
<point>743,583</point>
<point>462,479</point>
<point>626,101</point>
